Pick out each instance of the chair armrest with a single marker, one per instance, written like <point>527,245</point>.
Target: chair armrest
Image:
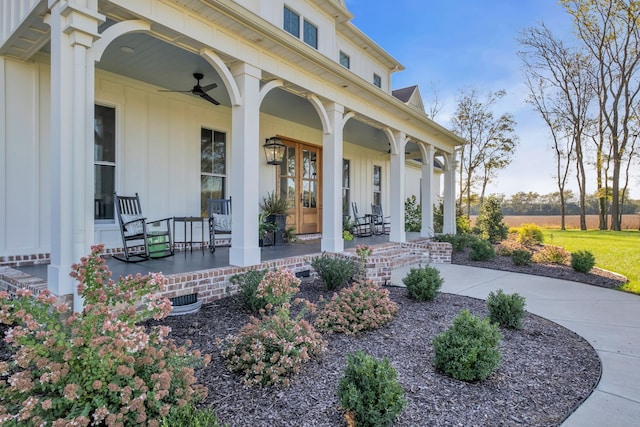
<point>159,220</point>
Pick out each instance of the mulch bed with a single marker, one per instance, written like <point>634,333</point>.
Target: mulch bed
<point>546,370</point>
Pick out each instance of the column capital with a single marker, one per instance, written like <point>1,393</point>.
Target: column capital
<point>244,68</point>
<point>79,22</point>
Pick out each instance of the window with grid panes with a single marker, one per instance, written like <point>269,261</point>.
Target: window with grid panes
<point>345,60</point>
<point>377,185</point>
<point>104,162</point>
<point>213,166</point>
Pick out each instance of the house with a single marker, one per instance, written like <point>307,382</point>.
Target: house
<point>97,96</point>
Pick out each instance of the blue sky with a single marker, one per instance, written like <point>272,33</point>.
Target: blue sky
<point>459,44</point>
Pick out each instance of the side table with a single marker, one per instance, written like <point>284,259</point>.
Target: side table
<point>188,238</point>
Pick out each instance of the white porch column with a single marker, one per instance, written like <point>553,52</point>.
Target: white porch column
<point>449,220</point>
<point>245,150</point>
<point>332,181</point>
<point>396,196</point>
<point>427,192</point>
<point>74,27</point>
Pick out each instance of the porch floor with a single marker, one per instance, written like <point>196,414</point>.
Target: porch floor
<point>187,261</point>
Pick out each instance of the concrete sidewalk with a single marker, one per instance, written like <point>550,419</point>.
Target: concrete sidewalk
<point>609,320</point>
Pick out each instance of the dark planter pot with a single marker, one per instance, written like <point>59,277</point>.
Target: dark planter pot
<point>280,221</point>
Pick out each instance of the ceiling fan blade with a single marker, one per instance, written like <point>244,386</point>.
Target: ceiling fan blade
<point>208,98</point>
<point>177,91</point>
<point>207,88</point>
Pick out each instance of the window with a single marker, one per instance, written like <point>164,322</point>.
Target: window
<point>310,34</point>
<point>213,166</point>
<point>291,22</point>
<point>345,60</point>
<point>377,80</point>
<point>104,162</point>
<point>377,185</point>
<point>291,25</point>
<point>346,186</point>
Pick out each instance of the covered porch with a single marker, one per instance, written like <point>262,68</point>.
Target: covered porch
<point>207,274</point>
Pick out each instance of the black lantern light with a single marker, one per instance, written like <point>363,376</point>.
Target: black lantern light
<point>274,150</point>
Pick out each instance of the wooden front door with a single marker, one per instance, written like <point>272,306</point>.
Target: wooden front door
<point>299,181</point>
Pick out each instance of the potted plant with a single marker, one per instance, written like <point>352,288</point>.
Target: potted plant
<point>265,231</point>
<point>276,210</point>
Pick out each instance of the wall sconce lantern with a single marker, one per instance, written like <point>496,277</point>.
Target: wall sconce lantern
<point>274,150</point>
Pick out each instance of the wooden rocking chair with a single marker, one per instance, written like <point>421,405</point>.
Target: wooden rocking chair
<point>219,219</point>
<point>141,239</point>
<point>362,222</point>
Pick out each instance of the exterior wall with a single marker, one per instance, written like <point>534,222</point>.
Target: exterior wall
<point>362,64</point>
<point>413,177</point>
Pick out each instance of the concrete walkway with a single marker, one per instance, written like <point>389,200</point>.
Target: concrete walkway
<point>609,320</point>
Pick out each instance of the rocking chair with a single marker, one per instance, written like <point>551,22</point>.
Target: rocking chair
<point>219,219</point>
<point>141,239</point>
<point>362,222</point>
<point>382,224</point>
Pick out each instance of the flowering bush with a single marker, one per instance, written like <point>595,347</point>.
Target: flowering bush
<point>271,349</point>
<point>363,251</point>
<point>97,366</point>
<point>360,307</point>
<point>551,255</point>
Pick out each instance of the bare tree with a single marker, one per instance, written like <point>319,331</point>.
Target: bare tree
<point>561,89</point>
<point>491,142</point>
<point>610,30</point>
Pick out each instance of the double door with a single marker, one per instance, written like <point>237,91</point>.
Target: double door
<point>299,181</point>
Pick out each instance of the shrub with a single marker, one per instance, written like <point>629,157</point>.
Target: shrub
<point>362,306</point>
<point>188,416</point>
<point>469,349</point>
<point>582,261</point>
<point>507,310</point>
<point>459,242</point>
<point>521,257</point>
<point>248,284</point>
<point>370,391</point>
<point>489,221</point>
<point>423,283</point>
<point>272,349</point>
<point>99,365</point>
<point>481,250</point>
<point>530,234</point>
<point>333,271</point>
<point>551,255</point>
<point>412,214</point>
<point>508,246</point>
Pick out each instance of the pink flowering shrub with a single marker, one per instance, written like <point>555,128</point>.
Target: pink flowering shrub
<point>362,306</point>
<point>97,366</point>
<point>273,348</point>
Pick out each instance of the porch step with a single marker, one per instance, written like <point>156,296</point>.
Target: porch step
<point>400,256</point>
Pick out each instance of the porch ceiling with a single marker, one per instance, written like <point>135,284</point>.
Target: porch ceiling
<point>162,64</point>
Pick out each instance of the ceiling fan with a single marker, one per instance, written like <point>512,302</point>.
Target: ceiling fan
<point>198,90</point>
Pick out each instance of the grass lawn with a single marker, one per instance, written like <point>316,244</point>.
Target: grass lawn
<point>617,251</point>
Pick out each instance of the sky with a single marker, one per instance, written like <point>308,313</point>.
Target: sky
<point>453,45</point>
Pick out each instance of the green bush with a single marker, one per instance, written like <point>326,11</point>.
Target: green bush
<point>469,350</point>
<point>551,255</point>
<point>507,310</point>
<point>521,257</point>
<point>370,391</point>
<point>188,416</point>
<point>423,283</point>
<point>270,350</point>
<point>481,250</point>
<point>248,284</point>
<point>530,234</point>
<point>100,365</point>
<point>333,271</point>
<point>412,214</point>
<point>489,221</point>
<point>582,261</point>
<point>362,306</point>
<point>459,242</point>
